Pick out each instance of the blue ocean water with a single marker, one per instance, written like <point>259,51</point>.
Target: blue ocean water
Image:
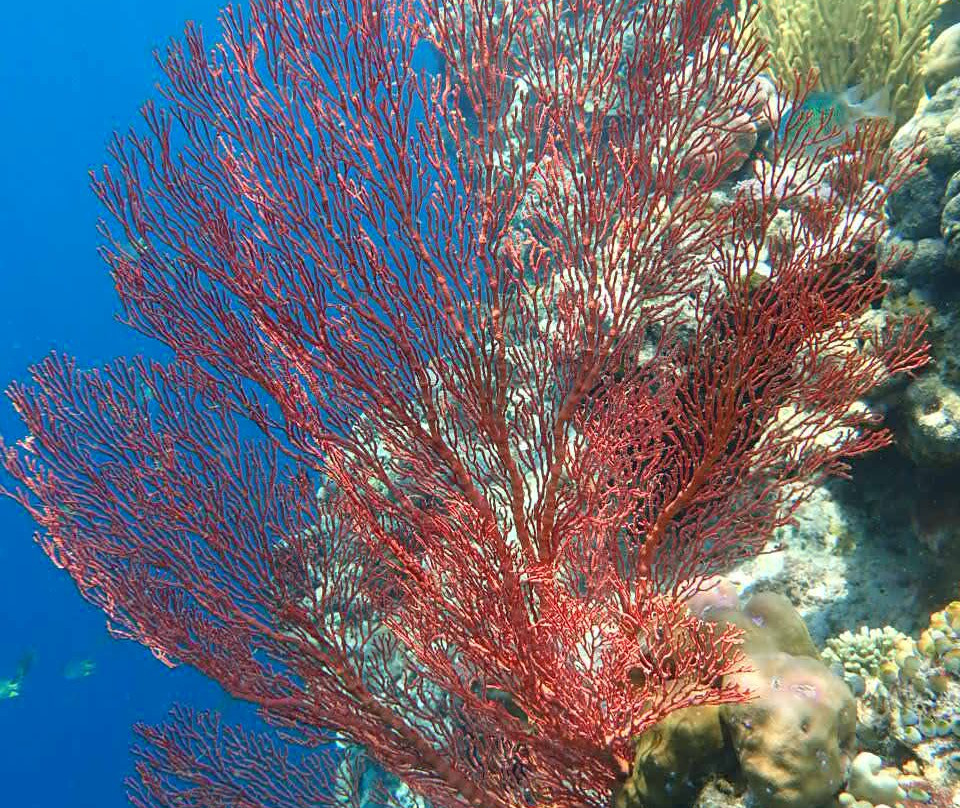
<point>70,74</point>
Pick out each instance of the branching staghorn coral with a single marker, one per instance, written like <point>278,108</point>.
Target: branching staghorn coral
<point>873,43</point>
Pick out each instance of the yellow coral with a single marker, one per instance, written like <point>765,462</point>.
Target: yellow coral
<point>952,611</point>
<point>873,43</point>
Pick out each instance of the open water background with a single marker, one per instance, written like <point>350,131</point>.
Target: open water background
<point>70,73</point>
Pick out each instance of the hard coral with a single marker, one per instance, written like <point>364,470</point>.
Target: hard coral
<point>791,743</point>
<point>873,43</point>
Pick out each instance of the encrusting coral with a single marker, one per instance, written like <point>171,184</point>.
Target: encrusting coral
<point>790,746</point>
<point>874,44</point>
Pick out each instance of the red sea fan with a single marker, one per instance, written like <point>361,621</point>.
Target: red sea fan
<point>500,317</point>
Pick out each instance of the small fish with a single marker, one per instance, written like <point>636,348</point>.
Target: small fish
<point>79,669</point>
<point>10,688</point>
<point>843,110</point>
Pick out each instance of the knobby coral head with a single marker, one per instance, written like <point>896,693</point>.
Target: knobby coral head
<point>475,382</point>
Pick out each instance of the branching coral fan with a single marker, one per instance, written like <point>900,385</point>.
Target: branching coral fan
<point>494,314</point>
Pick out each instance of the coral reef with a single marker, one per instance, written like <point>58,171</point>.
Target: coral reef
<point>909,711</point>
<point>675,758</point>
<point>805,741</point>
<point>789,746</point>
<point>868,652</point>
<point>850,559</point>
<point>794,739</point>
<point>873,43</point>
<point>868,782</point>
<point>943,59</point>
<point>924,243</point>
<point>933,421</point>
